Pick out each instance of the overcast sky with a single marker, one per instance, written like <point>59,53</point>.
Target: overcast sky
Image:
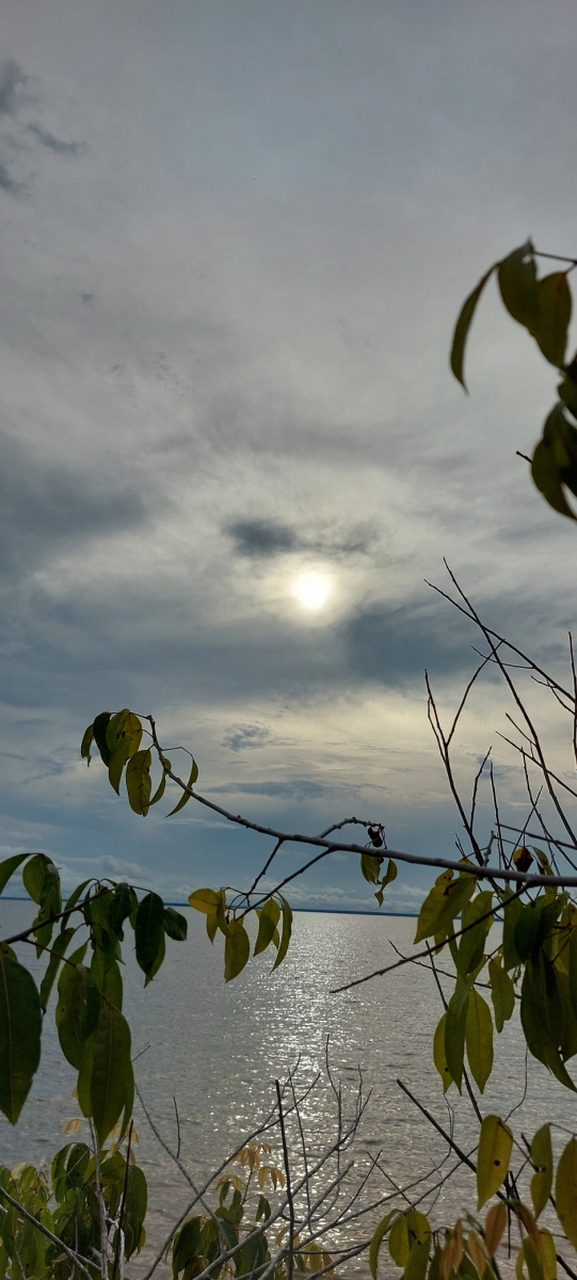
<point>235,237</point>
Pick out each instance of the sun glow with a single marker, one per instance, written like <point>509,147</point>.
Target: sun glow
<point>312,590</point>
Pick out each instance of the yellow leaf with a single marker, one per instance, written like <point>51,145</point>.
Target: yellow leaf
<point>542,1161</point>
<point>205,900</point>
<point>377,1241</point>
<point>185,797</point>
<point>495,1145</point>
<point>439,1055</point>
<point>566,1191</point>
<point>549,1255</point>
<point>479,1038</point>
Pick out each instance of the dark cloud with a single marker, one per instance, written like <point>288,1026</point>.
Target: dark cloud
<point>393,645</point>
<point>245,736</point>
<point>41,504</point>
<point>11,77</point>
<point>56,144</point>
<point>7,182</point>
<point>296,789</point>
<point>260,538</point>
<point>87,297</point>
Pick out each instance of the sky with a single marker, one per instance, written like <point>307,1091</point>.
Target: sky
<point>235,238</point>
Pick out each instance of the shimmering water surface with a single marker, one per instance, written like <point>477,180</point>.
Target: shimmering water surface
<point>217,1049</point>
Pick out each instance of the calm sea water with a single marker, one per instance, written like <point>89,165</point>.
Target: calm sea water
<point>217,1049</point>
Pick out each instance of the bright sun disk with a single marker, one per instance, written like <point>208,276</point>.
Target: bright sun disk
<point>312,591</point>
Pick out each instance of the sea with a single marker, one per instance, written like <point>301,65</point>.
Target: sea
<point>207,1055</point>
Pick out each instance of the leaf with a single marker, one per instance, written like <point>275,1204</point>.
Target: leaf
<point>9,866</point>
<point>370,868</point>
<point>39,877</point>
<point>77,1011</point>
<point>205,900</point>
<point>549,1255</point>
<point>185,797</point>
<point>527,931</point>
<point>567,392</point>
<point>455,1028</point>
<point>511,913</point>
<point>554,461</point>
<point>566,1191</point>
<point>100,726</point>
<point>377,1240</point>
<point>120,907</point>
<point>149,934</point>
<point>269,917</point>
<point>472,943</point>
<point>502,994</point>
<point>175,925</point>
<point>517,276</point>
<point>399,1240</point>
<point>479,1039</point>
<point>138,782</point>
<point>236,950</point>
<point>112,1080</point>
<point>160,790</point>
<point>554,316</point>
<point>445,900</point>
<point>495,1224</point>
<point>439,1055</point>
<point>391,874</point>
<point>542,1160</point>
<point>573,970</point>
<point>212,926</point>
<point>463,325</point>
<point>87,740</point>
<point>20,1032</point>
<point>59,947</point>
<point>416,1267</point>
<point>287,923</point>
<point>494,1154</point>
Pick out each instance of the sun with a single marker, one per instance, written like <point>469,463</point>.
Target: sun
<point>312,590</point>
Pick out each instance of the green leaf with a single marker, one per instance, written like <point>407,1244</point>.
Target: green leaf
<point>567,392</point>
<point>455,1029</point>
<point>236,950</point>
<point>185,796</point>
<point>87,740</point>
<point>100,726</point>
<point>472,943</point>
<point>138,782</point>
<point>502,994</point>
<point>399,1247</point>
<point>542,1016</point>
<point>175,925</point>
<point>445,900</point>
<point>160,790</point>
<point>77,1011</point>
<point>494,1154</point>
<point>59,948</point>
<point>186,1245</point>
<point>542,1161</point>
<point>479,1039</point>
<point>268,919</point>
<point>9,866</point>
<point>511,913</point>
<point>517,276</point>
<point>573,969</point>
<point>112,1079</point>
<point>20,1032</point>
<point>149,934</point>
<point>462,328</point>
<point>554,316</point>
<point>377,1241</point>
<point>370,868</point>
<point>287,922</point>
<point>390,875</point>
<point>555,461</point>
<point>566,1191</point>
<point>439,1055</point>
<point>416,1267</point>
<point>120,907</point>
<point>527,931</point>
<point>84,1078</point>
<point>123,738</point>
<point>205,900</point>
<point>40,878</point>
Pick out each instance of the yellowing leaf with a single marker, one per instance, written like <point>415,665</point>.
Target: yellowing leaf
<point>495,1145</point>
<point>205,900</point>
<point>399,1241</point>
<point>455,1029</point>
<point>502,994</point>
<point>138,782</point>
<point>236,950</point>
<point>554,316</point>
<point>287,918</point>
<point>566,1191</point>
<point>269,917</point>
<point>86,743</point>
<point>495,1224</point>
<point>549,1255</point>
<point>439,1055</point>
<point>185,797</point>
<point>542,1160</point>
<point>462,328</point>
<point>445,900</point>
<point>479,1038</point>
<point>377,1240</point>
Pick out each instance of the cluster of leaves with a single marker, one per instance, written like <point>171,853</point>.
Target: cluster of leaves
<point>92,1029</point>
<point>543,307</point>
<point>118,737</point>
<point>223,917</point>
<point>65,1202</point>
<point>535,960</point>
<point>240,1220</point>
<point>421,1252</point>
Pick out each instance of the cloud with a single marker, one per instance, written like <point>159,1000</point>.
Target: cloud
<point>57,144</point>
<point>11,78</point>
<point>7,182</point>
<point>263,538</point>
<point>246,736</point>
<point>296,789</point>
